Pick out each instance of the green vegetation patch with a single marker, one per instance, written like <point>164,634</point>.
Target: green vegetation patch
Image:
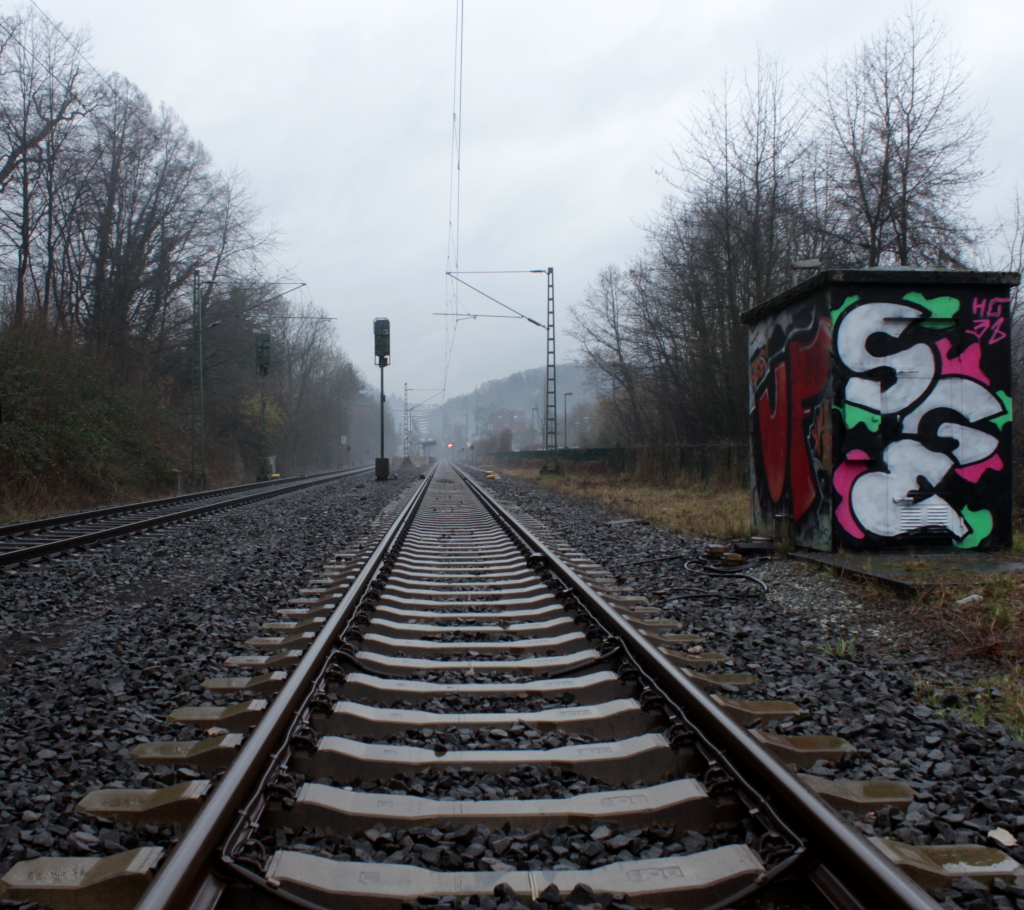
<point>999,698</point>
<point>71,427</point>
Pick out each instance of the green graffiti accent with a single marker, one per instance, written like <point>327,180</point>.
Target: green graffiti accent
<point>939,307</point>
<point>852,415</point>
<point>1003,419</point>
<point>981,525</point>
<point>843,307</point>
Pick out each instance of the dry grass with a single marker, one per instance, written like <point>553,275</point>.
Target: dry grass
<point>999,697</point>
<point>991,628</point>
<point>707,510</point>
<point>994,625</point>
<point>40,500</point>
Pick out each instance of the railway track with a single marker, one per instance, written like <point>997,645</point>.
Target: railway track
<point>461,713</point>
<point>27,541</point>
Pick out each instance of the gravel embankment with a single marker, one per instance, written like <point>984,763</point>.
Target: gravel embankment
<point>479,848</point>
<point>100,648</point>
<point>517,736</point>
<point>488,704</point>
<point>969,779</point>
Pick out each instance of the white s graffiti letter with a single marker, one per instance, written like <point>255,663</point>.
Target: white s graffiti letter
<point>915,367</point>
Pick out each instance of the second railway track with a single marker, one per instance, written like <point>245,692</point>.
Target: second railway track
<point>459,713</point>
<point>26,541</point>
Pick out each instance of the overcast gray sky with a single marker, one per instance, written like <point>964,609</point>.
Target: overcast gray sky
<point>340,113</point>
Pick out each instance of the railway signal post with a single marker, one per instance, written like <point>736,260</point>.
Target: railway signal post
<point>262,368</point>
<point>382,353</point>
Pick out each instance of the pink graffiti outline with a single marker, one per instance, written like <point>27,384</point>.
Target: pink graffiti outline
<point>842,479</point>
<point>972,472</point>
<point>967,364</point>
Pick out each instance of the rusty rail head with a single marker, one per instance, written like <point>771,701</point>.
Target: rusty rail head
<point>851,873</point>
<point>186,873</point>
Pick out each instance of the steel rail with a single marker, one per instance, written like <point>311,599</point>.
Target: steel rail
<point>23,527</point>
<point>222,500</point>
<point>186,879</point>
<point>850,871</point>
<point>38,524</point>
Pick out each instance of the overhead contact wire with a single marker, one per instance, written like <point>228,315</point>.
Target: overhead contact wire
<point>451,321</point>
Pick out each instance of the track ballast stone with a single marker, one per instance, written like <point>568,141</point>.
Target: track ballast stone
<point>100,648</point>
<point>134,628</point>
<point>969,779</point>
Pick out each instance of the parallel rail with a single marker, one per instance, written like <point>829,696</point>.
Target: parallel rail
<point>24,542</point>
<point>458,598</point>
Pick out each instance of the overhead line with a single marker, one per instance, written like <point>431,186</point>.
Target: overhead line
<point>495,299</point>
<point>481,316</point>
<point>455,188</point>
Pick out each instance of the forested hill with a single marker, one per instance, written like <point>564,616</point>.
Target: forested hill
<point>523,391</point>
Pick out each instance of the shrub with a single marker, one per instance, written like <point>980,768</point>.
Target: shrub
<point>71,428</point>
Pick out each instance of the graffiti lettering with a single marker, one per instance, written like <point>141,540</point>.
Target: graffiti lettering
<point>758,367</point>
<point>914,367</point>
<point>990,308</point>
<point>772,421</point>
<point>937,401</point>
<point>809,365</point>
<point>819,438</point>
<point>955,393</point>
<point>981,326</point>
<point>988,318</point>
<point>791,425</point>
<point>967,364</point>
<point>883,501</point>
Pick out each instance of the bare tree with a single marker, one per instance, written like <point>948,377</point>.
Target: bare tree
<point>895,136</point>
<point>668,331</point>
<point>41,84</point>
<point>1011,242</point>
<point>873,165</point>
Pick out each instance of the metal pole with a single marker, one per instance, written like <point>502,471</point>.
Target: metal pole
<point>565,417</point>
<point>382,409</point>
<point>194,415</point>
<point>263,422</point>
<point>550,390</point>
<point>198,446</point>
<point>263,471</point>
<point>202,401</point>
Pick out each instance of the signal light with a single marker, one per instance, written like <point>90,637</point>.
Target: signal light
<point>382,340</point>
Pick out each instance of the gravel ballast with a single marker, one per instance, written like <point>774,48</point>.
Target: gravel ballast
<point>478,848</point>
<point>491,704</point>
<point>100,648</point>
<point>855,672</point>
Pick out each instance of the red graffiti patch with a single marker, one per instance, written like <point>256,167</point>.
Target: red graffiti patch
<point>842,480</point>
<point>972,472</point>
<point>810,372</point>
<point>773,433</point>
<point>967,364</point>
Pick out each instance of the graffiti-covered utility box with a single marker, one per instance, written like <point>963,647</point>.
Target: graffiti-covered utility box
<point>880,410</point>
